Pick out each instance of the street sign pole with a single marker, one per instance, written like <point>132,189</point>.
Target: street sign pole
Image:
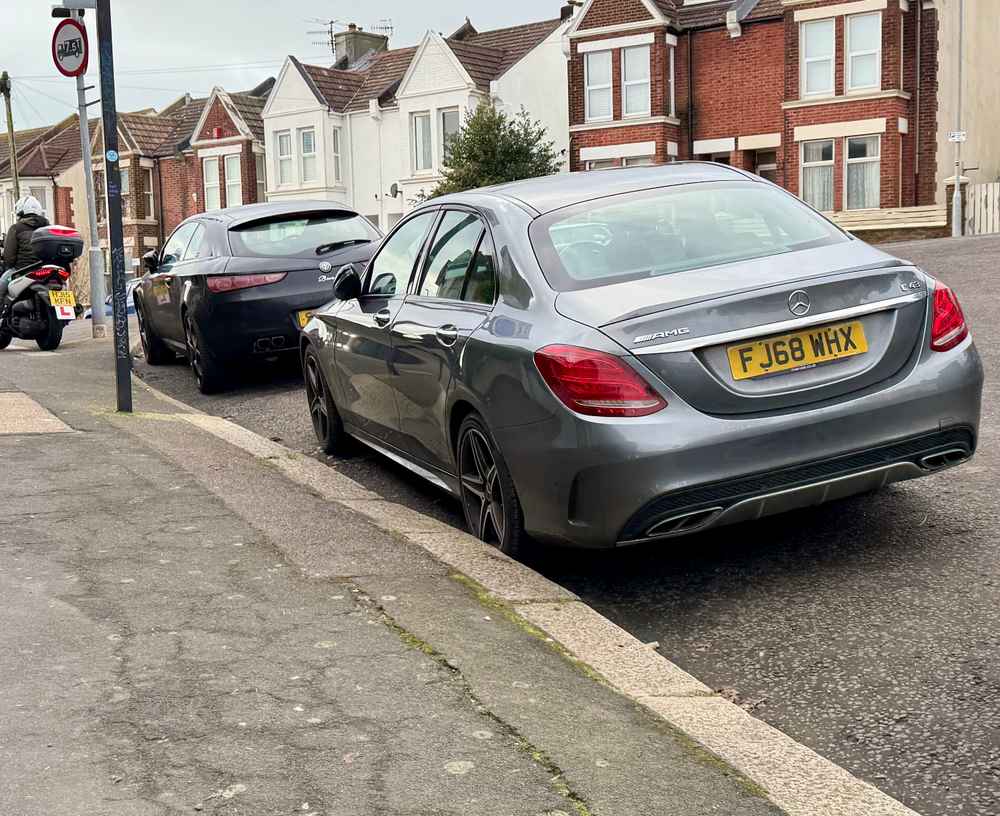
<point>956,199</point>
<point>123,358</point>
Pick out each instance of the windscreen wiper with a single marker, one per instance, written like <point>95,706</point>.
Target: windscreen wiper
<point>322,249</point>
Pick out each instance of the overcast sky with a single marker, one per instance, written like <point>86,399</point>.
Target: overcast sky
<point>164,48</point>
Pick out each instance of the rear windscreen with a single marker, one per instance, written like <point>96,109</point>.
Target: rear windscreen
<point>673,229</point>
<point>300,235</point>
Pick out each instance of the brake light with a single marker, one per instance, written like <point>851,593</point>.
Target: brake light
<point>948,326</point>
<point>46,272</point>
<point>231,283</point>
<point>64,232</point>
<point>596,384</point>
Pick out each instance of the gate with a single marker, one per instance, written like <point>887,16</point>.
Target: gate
<point>982,209</point>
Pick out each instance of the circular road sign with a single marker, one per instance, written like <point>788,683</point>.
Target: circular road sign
<point>69,47</point>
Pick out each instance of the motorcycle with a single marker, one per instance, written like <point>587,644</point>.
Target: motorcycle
<point>38,303</point>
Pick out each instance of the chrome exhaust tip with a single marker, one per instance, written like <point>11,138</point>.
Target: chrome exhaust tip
<point>684,522</point>
<point>943,459</point>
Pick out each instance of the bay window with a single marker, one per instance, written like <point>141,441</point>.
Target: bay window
<point>817,41</point>
<point>210,171</point>
<point>817,174</point>
<point>635,81</point>
<point>147,191</point>
<point>335,155</point>
<point>284,151</point>
<point>307,155</point>
<point>449,130</point>
<point>597,82</point>
<point>125,176</point>
<point>258,164</point>
<point>420,142</point>
<point>234,183</point>
<point>864,170</point>
<point>864,51</point>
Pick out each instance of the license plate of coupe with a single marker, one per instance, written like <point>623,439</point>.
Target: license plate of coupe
<point>806,348</point>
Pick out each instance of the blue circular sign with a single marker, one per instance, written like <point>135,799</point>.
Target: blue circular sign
<point>111,155</point>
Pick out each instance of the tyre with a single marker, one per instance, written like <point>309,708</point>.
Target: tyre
<point>53,333</point>
<point>154,350</point>
<point>326,421</point>
<point>208,373</point>
<point>489,498</point>
<point>5,338</point>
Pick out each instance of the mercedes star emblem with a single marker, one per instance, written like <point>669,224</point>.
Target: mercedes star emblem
<point>799,303</point>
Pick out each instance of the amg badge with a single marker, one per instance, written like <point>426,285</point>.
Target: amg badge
<point>661,335</point>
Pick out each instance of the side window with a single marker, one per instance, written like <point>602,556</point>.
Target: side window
<point>197,247</point>
<point>177,243</point>
<point>389,273</point>
<point>481,286</point>
<point>448,261</point>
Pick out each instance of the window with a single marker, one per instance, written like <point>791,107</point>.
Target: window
<point>147,191</point>
<point>373,219</point>
<point>258,166</point>
<point>299,236</point>
<point>307,155</point>
<point>639,161</point>
<point>597,79</point>
<point>602,164</point>
<point>864,168</point>
<point>177,243</point>
<point>864,51</point>
<point>670,80</point>
<point>210,169</point>
<point>817,42</point>
<point>335,155</point>
<point>635,81</point>
<point>817,174</point>
<point>194,247</point>
<point>234,182</point>
<point>454,245</point>
<point>766,163</point>
<point>663,231</point>
<point>389,273</point>
<point>481,287</point>
<point>449,130</point>
<point>125,176</point>
<point>284,151</point>
<point>420,140</point>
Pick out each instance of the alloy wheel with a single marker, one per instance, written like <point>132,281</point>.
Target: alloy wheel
<point>316,398</point>
<point>481,489</point>
<point>194,349</point>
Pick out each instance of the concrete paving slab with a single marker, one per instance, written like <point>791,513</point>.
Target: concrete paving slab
<point>22,415</point>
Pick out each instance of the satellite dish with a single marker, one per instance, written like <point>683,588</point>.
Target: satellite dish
<point>394,190</point>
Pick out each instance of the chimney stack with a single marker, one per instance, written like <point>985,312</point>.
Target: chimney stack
<point>353,45</point>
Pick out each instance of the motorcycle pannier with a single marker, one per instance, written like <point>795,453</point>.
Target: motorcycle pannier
<point>56,245</point>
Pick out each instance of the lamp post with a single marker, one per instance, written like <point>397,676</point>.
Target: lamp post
<point>956,199</point>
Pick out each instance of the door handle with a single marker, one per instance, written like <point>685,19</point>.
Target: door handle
<point>382,317</point>
<point>447,335</point>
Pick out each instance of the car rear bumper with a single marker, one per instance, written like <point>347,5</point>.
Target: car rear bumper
<point>601,483</point>
<point>252,322</point>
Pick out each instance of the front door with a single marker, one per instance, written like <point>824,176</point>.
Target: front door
<point>454,298</point>
<point>363,326</point>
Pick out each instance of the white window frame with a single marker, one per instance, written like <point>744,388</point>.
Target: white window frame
<point>415,152</point>
<point>672,79</point>
<point>284,159</point>
<point>804,61</point>
<point>803,165</point>
<point>303,155</point>
<point>144,173</point>
<point>259,169</point>
<point>125,178</point>
<point>215,181</point>
<point>626,83</point>
<point>603,164</point>
<point>335,156</point>
<point>638,161</point>
<point>440,115</point>
<point>849,55</point>
<point>587,87</point>
<point>236,183</point>
<point>867,160</point>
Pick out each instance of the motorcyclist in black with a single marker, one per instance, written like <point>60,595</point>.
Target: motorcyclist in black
<point>17,251</point>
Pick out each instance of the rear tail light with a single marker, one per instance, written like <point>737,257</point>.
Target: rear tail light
<point>948,326</point>
<point>596,384</point>
<point>230,283</point>
<point>46,272</point>
<point>64,232</point>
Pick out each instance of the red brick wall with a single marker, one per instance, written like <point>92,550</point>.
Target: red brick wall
<point>614,12</point>
<point>659,133</point>
<point>218,117</point>
<point>926,181</point>
<point>180,177</point>
<point>63,208</point>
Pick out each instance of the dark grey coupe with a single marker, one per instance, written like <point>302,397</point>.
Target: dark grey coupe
<point>613,357</point>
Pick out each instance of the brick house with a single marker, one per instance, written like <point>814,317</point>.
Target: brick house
<point>836,100</point>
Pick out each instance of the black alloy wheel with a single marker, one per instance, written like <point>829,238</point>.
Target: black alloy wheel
<point>207,373</point>
<point>490,502</point>
<point>326,422</point>
<point>154,349</point>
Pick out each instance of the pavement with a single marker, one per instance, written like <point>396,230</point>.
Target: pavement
<point>188,629</point>
<point>863,629</point>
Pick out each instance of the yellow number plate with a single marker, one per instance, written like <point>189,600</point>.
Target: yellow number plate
<point>755,358</point>
<point>303,318</point>
<point>62,299</point>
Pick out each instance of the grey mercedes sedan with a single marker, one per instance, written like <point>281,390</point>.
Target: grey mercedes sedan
<point>605,358</point>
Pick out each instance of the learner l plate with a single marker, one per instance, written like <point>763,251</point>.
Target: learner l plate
<point>821,344</point>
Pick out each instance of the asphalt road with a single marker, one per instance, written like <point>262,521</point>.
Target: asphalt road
<point>867,629</point>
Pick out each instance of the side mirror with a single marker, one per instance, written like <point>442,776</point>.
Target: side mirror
<point>347,284</point>
<point>150,260</point>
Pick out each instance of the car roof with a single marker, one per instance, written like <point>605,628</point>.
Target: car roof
<point>233,216</point>
<point>548,193</point>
